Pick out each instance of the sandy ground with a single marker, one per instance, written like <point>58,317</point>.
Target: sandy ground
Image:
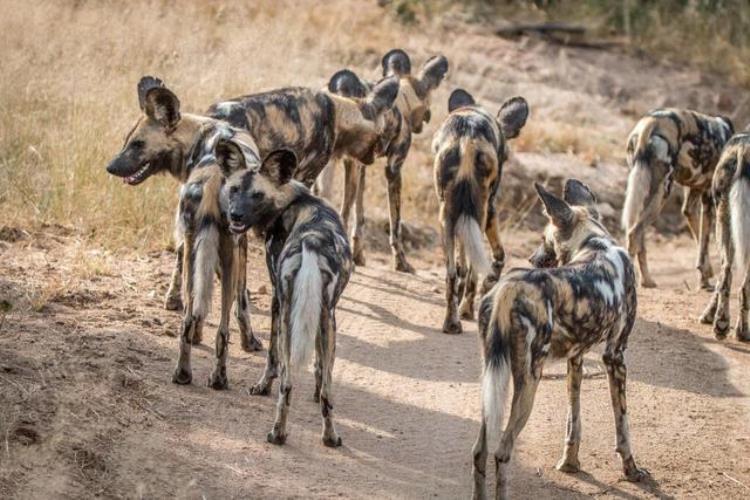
<point>87,408</point>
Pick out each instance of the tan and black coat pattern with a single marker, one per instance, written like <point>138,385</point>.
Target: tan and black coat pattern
<point>559,312</point>
<point>410,113</point>
<point>731,193</point>
<point>309,261</point>
<point>211,248</point>
<point>668,146</point>
<point>166,140</point>
<point>470,149</point>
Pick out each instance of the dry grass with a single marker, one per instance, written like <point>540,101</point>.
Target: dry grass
<point>68,91</point>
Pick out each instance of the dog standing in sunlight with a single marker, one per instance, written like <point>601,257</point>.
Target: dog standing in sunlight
<point>470,149</point>
<point>560,312</point>
<point>309,262</point>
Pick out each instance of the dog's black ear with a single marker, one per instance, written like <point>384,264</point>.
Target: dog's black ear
<point>432,74</point>
<point>558,212</point>
<point>396,62</point>
<point>279,165</point>
<point>578,193</point>
<point>229,156</point>
<point>162,105</point>
<point>383,95</point>
<point>458,99</point>
<point>346,83</point>
<point>145,84</point>
<point>512,116</point>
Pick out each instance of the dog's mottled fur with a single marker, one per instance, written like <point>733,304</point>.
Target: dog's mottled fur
<point>165,140</point>
<point>731,192</point>
<point>561,312</point>
<point>309,261</point>
<point>666,146</point>
<point>410,113</point>
<point>470,149</point>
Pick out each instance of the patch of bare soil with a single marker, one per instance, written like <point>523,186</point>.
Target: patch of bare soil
<point>87,408</point>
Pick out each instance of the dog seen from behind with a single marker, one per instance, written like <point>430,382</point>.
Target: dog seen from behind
<point>731,192</point>
<point>469,149</point>
<point>309,262</point>
<point>561,312</point>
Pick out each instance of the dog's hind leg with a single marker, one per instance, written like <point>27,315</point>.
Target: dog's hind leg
<point>741,330</point>
<point>218,379</point>
<point>717,311</point>
<point>525,383</point>
<point>270,372</point>
<point>479,470</point>
<point>350,191</point>
<point>451,324</point>
<point>248,340</point>
<point>691,209</point>
<point>466,308</point>
<point>706,228</point>
<point>278,434</point>
<point>358,232</point>
<point>617,374</point>
<point>327,339</point>
<point>569,461</point>
<point>498,251</point>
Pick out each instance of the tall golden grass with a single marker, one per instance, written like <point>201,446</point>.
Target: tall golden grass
<point>68,97</point>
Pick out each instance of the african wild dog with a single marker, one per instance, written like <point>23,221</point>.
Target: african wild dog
<point>672,145</point>
<point>731,192</point>
<point>309,262</point>
<point>165,140</point>
<point>411,112</point>
<point>470,149</point>
<point>210,246</point>
<point>559,312</point>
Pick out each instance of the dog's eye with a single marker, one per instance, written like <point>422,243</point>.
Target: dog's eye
<point>233,189</point>
<point>257,196</point>
<point>137,144</point>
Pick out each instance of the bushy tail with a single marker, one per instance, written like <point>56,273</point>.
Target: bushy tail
<point>307,300</point>
<point>494,390</point>
<point>739,209</point>
<point>470,235</point>
<point>206,255</point>
<point>635,196</point>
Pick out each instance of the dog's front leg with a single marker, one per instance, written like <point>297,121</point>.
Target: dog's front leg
<point>498,251</point>
<point>569,461</point>
<point>263,387</point>
<point>173,300</point>
<point>393,176</point>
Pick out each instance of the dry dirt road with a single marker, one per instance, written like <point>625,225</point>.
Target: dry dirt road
<point>87,408</point>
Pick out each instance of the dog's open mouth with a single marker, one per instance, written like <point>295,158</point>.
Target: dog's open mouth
<point>139,176</point>
<point>237,227</point>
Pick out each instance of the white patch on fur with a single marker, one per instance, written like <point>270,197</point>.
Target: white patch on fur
<point>470,235</point>
<point>494,391</point>
<point>739,210</point>
<point>305,315</point>
<point>206,248</point>
<point>605,290</point>
<point>639,180</point>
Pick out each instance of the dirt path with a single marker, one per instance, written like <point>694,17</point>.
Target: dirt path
<point>87,409</point>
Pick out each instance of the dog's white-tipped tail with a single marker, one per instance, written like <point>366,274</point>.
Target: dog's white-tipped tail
<point>470,235</point>
<point>739,209</point>
<point>494,390</point>
<point>206,248</point>
<point>639,180</point>
<point>307,301</point>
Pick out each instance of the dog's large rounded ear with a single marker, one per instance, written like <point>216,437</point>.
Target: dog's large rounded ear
<point>458,99</point>
<point>512,116</point>
<point>346,83</point>
<point>383,95</point>
<point>279,165</point>
<point>558,212</point>
<point>229,156</point>
<point>433,72</point>
<point>145,84</point>
<point>578,193</point>
<point>162,105</point>
<point>396,62</point>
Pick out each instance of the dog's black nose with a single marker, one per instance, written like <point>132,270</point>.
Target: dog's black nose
<point>235,215</point>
